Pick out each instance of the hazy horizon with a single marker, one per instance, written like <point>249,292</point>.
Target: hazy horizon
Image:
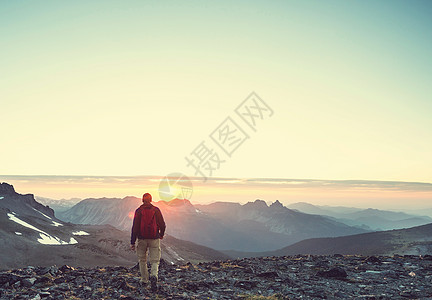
<point>353,193</point>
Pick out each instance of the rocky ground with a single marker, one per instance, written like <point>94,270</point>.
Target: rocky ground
<point>290,277</point>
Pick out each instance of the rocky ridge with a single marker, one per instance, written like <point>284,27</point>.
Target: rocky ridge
<point>12,201</point>
<point>288,277</point>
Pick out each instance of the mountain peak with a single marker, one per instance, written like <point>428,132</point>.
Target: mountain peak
<point>302,204</point>
<point>179,202</point>
<point>371,209</point>
<point>276,204</point>
<point>21,204</point>
<point>6,189</point>
<point>257,204</point>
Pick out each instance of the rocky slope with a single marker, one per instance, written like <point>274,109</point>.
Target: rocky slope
<point>288,277</point>
<point>26,204</point>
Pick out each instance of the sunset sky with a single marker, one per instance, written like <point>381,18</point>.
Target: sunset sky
<point>132,88</point>
<point>353,193</point>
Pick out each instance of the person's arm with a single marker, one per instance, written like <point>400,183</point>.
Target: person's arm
<point>161,223</point>
<point>135,228</point>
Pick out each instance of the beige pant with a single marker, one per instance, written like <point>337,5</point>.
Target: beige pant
<point>154,250</point>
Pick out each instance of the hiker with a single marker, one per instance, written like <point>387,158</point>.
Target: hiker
<point>149,228</point>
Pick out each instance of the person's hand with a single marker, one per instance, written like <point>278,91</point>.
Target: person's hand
<point>161,237</point>
<point>132,247</point>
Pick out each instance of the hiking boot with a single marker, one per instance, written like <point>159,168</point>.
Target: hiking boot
<point>153,283</point>
<point>143,284</point>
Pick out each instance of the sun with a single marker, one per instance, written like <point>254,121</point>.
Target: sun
<point>131,215</point>
<point>169,190</point>
<point>175,185</point>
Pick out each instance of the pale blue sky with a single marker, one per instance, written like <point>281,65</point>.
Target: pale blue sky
<point>132,87</point>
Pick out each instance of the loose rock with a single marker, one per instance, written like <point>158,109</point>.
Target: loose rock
<point>288,277</point>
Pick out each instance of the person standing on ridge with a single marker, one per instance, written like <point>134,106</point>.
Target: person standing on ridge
<point>149,228</point>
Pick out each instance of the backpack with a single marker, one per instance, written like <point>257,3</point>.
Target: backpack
<point>148,226</point>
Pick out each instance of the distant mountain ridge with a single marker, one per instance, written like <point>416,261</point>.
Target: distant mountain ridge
<point>254,226</point>
<point>373,219</point>
<point>410,241</point>
<point>58,205</point>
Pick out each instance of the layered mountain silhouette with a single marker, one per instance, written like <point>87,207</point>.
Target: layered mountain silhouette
<point>30,234</point>
<point>254,226</point>
<point>373,219</point>
<point>411,241</point>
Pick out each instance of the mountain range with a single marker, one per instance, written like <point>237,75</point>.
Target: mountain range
<point>254,226</point>
<point>30,234</point>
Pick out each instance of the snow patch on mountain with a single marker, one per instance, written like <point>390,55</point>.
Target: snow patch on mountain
<point>12,217</point>
<point>80,233</point>
<point>42,213</point>
<point>45,238</point>
<point>54,223</point>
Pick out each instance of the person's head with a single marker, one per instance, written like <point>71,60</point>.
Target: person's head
<point>147,198</point>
